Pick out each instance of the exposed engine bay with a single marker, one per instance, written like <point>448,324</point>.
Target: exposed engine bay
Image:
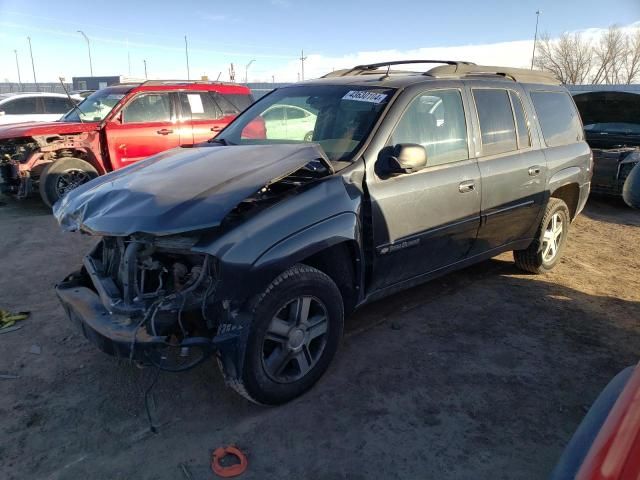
<point>166,292</point>
<point>22,159</point>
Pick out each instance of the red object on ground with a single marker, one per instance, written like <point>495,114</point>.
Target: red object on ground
<point>615,453</point>
<point>231,470</point>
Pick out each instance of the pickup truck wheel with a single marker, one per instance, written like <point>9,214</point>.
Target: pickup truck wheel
<point>545,251</point>
<point>297,326</point>
<point>62,176</point>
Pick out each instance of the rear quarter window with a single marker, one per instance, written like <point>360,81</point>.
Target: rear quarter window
<point>558,118</point>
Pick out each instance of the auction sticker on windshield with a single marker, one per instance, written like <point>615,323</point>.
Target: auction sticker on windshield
<point>365,96</point>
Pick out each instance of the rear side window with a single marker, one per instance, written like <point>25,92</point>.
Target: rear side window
<point>558,118</point>
<point>435,120</point>
<point>497,128</point>
<point>233,103</point>
<point>524,138</point>
<point>56,105</point>
<point>199,106</point>
<point>21,106</point>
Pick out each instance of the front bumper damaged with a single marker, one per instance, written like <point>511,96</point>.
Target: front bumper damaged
<point>123,336</point>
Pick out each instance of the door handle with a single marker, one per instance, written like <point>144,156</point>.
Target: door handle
<point>533,171</point>
<point>165,131</point>
<point>216,129</point>
<point>468,186</point>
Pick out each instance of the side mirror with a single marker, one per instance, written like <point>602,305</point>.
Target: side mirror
<point>407,158</point>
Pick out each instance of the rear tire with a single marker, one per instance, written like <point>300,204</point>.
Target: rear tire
<point>62,176</point>
<point>545,251</point>
<point>631,189</point>
<point>297,327</point>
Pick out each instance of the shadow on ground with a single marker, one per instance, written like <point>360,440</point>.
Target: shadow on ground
<point>480,372</point>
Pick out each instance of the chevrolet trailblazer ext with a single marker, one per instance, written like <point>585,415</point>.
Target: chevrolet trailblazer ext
<point>255,249</point>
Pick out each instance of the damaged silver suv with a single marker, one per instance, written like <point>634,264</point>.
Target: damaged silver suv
<point>365,182</point>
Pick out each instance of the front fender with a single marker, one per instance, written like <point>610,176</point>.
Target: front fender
<point>254,252</point>
<point>341,228</point>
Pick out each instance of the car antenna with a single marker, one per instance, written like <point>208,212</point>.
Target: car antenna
<point>386,74</point>
<point>75,107</point>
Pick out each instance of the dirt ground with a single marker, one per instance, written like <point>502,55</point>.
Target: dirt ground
<point>484,373</point>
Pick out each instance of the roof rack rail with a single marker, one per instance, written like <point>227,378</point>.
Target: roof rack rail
<point>516,74</point>
<point>372,68</point>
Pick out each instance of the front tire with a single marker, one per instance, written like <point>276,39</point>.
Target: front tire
<point>297,327</point>
<point>545,251</point>
<point>63,175</point>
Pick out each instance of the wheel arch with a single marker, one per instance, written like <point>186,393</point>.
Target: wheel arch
<point>84,154</point>
<point>332,246</point>
<point>565,185</point>
<point>569,194</point>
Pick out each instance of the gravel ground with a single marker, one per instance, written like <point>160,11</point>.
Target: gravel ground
<point>484,373</point>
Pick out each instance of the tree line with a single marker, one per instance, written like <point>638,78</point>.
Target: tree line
<point>613,57</point>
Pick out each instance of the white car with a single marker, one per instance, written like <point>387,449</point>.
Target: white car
<point>34,107</point>
<point>288,122</point>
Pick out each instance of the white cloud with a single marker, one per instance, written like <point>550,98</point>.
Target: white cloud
<point>507,54</point>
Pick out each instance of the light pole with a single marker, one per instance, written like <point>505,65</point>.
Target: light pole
<point>89,48</point>
<point>186,53</point>
<point>33,66</point>
<point>145,69</point>
<point>302,59</point>
<point>246,71</point>
<point>535,39</point>
<point>18,68</point>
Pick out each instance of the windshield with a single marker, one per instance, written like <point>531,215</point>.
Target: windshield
<point>95,107</point>
<point>338,118</point>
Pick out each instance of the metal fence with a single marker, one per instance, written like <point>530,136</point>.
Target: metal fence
<point>51,87</point>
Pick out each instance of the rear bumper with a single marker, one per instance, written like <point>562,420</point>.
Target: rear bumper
<point>114,333</point>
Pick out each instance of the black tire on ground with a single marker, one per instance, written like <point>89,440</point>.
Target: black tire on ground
<point>631,189</point>
<point>539,258</point>
<point>63,175</point>
<point>308,137</point>
<point>263,354</point>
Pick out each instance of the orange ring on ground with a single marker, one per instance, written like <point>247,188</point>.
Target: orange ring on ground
<point>232,470</point>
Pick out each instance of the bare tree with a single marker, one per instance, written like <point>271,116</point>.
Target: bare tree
<point>609,52</point>
<point>632,59</point>
<point>612,58</point>
<point>569,58</point>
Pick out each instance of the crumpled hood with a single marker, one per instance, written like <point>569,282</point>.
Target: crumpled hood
<point>32,129</point>
<point>179,190</point>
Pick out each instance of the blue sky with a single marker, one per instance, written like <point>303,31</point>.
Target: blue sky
<point>272,32</point>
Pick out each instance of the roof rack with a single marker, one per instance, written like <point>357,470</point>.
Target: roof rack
<point>373,68</point>
<point>516,74</point>
<point>451,68</point>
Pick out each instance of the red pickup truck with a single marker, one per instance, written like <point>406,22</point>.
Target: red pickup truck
<point>113,128</point>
